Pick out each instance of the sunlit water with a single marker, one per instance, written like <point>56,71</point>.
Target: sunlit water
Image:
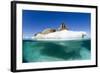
<point>44,51</point>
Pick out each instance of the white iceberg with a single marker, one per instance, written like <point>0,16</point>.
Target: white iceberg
<point>62,34</point>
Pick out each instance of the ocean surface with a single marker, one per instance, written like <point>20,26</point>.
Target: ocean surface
<point>48,51</point>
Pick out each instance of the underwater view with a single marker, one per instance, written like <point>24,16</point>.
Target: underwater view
<point>48,51</point>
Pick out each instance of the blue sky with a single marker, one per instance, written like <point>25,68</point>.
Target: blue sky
<point>35,21</point>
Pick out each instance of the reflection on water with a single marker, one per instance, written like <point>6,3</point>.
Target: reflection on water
<point>44,51</point>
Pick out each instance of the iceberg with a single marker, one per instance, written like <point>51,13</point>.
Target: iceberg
<point>62,34</point>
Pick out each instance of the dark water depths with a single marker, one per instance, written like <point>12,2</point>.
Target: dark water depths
<point>44,51</point>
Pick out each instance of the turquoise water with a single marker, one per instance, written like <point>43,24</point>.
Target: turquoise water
<point>47,51</point>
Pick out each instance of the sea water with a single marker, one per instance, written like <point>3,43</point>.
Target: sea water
<point>48,51</point>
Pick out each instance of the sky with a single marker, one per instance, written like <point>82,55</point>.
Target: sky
<point>36,21</point>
